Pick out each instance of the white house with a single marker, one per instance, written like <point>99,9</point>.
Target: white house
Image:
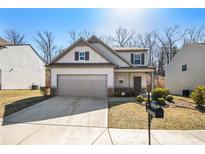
<point>186,70</point>
<point>20,67</point>
<point>92,68</point>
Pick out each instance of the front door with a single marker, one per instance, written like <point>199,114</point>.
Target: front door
<point>137,85</point>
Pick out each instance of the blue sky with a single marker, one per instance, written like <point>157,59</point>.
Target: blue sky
<point>99,21</point>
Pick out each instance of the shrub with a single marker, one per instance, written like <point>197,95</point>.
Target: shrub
<point>34,87</point>
<point>45,91</point>
<point>146,100</point>
<point>159,93</point>
<point>139,99</point>
<point>169,98</point>
<point>198,95</point>
<point>161,101</point>
<point>144,90</point>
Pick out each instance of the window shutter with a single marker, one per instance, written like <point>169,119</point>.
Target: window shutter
<point>87,55</point>
<point>142,58</point>
<point>132,58</point>
<point>76,56</point>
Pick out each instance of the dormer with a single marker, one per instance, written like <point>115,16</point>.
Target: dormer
<point>136,56</point>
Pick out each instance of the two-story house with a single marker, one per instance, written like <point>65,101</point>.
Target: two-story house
<point>20,66</point>
<point>92,68</point>
<point>186,70</point>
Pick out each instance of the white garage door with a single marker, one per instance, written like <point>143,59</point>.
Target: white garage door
<point>82,85</point>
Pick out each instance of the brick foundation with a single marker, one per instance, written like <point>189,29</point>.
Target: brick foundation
<point>110,92</point>
<point>127,91</point>
<point>53,91</point>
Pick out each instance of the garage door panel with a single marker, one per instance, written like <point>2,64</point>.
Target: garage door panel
<point>85,85</point>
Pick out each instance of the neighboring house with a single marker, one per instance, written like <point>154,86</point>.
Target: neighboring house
<point>4,42</point>
<point>92,68</point>
<point>20,67</point>
<point>186,70</point>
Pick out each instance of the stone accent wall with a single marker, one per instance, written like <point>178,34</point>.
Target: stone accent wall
<point>110,91</point>
<point>54,91</point>
<point>149,81</point>
<point>127,91</point>
<point>160,81</point>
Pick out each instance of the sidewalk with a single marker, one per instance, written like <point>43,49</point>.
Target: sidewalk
<point>162,137</point>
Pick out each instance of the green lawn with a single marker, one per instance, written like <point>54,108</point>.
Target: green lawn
<point>132,115</point>
<point>12,101</point>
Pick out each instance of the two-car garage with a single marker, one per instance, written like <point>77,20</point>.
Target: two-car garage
<point>79,82</point>
<point>82,85</point>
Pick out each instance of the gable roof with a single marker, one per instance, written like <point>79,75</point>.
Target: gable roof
<point>94,39</point>
<point>80,41</point>
<point>131,49</point>
<point>17,45</point>
<point>4,42</point>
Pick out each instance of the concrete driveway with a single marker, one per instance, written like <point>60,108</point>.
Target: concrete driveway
<point>80,120</point>
<point>58,120</point>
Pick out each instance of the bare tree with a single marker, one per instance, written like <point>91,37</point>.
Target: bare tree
<point>151,40</point>
<point>85,34</point>
<point>171,36</point>
<point>195,35</point>
<point>139,41</point>
<point>148,40</point>
<point>45,42</point>
<point>161,62</point>
<point>14,37</point>
<point>73,36</point>
<point>123,37</point>
<point>107,40</point>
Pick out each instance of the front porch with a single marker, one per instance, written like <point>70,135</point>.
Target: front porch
<point>132,83</point>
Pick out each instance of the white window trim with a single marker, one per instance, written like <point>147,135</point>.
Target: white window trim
<point>182,68</point>
<point>139,54</point>
<point>121,78</point>
<point>145,63</point>
<point>81,56</point>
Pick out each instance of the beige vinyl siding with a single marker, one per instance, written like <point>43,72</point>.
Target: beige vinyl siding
<point>127,55</point>
<point>115,58</point>
<point>94,57</point>
<point>21,67</point>
<point>193,55</point>
<point>129,79</point>
<point>125,84</point>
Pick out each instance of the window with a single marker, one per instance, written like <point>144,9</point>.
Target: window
<point>81,55</point>
<point>137,59</point>
<point>121,79</point>
<point>184,67</point>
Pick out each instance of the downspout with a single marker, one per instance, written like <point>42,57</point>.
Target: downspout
<point>129,82</point>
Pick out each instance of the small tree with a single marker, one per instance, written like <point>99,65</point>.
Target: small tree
<point>198,95</point>
<point>159,93</point>
<point>139,99</point>
<point>14,37</point>
<point>45,42</point>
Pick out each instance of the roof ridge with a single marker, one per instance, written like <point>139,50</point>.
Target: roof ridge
<point>74,44</point>
<point>18,44</point>
<point>109,48</point>
<point>102,53</point>
<point>29,45</point>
